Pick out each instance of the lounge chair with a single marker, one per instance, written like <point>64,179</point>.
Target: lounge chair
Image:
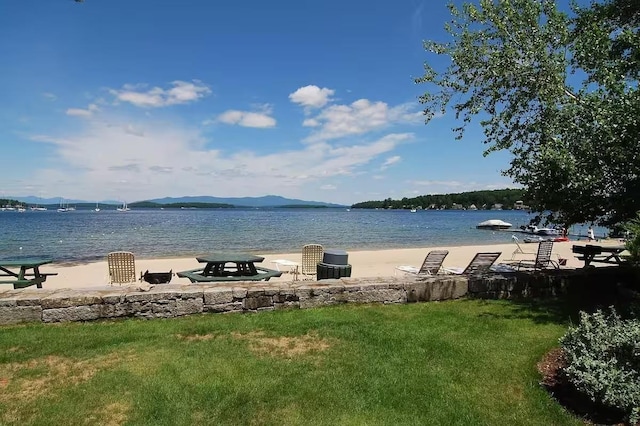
<point>431,265</point>
<point>542,260</point>
<point>481,262</point>
<point>311,256</point>
<point>122,267</point>
<point>519,249</point>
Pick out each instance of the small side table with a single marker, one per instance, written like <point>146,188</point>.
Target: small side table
<point>293,266</point>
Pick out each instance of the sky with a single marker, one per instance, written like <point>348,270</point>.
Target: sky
<point>316,100</point>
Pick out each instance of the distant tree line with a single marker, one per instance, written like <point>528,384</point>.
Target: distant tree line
<point>152,205</point>
<point>482,200</point>
<point>301,206</point>
<point>9,202</point>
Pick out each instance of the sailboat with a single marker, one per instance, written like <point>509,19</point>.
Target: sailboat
<point>97,208</point>
<point>62,207</point>
<point>124,207</point>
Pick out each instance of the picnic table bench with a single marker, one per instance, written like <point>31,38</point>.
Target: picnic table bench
<point>27,274</point>
<point>229,267</point>
<point>601,254</point>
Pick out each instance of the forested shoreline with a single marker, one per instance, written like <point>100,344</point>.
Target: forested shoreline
<point>505,199</point>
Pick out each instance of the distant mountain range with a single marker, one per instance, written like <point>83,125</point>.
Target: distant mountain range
<point>266,201</point>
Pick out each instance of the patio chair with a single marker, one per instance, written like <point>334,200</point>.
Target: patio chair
<point>519,249</point>
<point>481,262</point>
<point>431,265</point>
<point>311,256</point>
<point>122,267</point>
<point>542,260</point>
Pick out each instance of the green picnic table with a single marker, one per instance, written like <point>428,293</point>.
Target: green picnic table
<point>595,253</point>
<point>23,272</point>
<point>229,267</point>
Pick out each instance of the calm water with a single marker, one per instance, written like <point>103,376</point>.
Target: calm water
<point>85,235</point>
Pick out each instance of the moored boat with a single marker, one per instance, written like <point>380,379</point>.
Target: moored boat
<point>494,224</point>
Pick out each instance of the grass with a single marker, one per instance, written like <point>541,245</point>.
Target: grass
<point>460,362</point>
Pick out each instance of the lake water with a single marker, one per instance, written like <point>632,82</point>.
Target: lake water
<point>85,235</point>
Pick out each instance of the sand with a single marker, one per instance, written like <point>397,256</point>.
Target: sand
<point>365,263</point>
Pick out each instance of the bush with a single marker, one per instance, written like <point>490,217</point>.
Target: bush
<point>633,243</point>
<point>603,361</point>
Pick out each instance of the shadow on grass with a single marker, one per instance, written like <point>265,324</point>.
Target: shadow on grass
<point>566,308</point>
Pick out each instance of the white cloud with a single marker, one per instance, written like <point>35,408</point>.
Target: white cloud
<point>246,119</point>
<point>50,96</point>
<point>390,162</point>
<point>360,117</point>
<point>328,187</point>
<point>311,96</point>
<point>79,112</point>
<point>108,156</point>
<point>182,92</point>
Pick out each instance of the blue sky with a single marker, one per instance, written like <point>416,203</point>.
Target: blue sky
<point>133,100</point>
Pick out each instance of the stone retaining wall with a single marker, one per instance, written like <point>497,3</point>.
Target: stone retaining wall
<point>167,300</point>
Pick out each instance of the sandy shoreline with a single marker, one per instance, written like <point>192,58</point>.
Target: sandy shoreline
<point>365,263</point>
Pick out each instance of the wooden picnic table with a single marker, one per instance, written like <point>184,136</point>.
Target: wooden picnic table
<point>229,267</point>
<point>597,253</point>
<point>27,274</point>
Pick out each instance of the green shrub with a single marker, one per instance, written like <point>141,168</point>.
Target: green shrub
<point>603,361</point>
<point>633,243</point>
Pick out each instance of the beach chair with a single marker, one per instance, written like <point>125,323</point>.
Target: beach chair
<point>311,256</point>
<point>519,250</point>
<point>430,266</point>
<point>542,260</point>
<point>122,268</point>
<point>481,262</point>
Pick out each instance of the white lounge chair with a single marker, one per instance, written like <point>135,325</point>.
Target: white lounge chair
<point>519,250</point>
<point>430,266</point>
<point>481,262</point>
<point>542,260</point>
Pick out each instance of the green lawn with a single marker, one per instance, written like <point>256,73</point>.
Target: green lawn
<point>460,362</point>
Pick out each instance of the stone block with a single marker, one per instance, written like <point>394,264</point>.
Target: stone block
<point>72,313</point>
<point>18,314</point>
<point>253,303</point>
<point>304,292</point>
<point>314,302</point>
<point>255,292</point>
<point>224,307</point>
<point>188,292</point>
<point>446,289</point>
<point>239,293</point>
<point>418,291</point>
<point>376,296</point>
<point>148,296</point>
<point>164,308</point>
<point>218,296</point>
<point>70,298</point>
<point>188,307</point>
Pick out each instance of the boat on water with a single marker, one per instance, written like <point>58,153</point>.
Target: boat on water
<point>538,238</point>
<point>548,232</point>
<point>38,209</point>
<point>63,208</point>
<point>97,209</point>
<point>124,208</point>
<point>413,210</point>
<point>494,224</point>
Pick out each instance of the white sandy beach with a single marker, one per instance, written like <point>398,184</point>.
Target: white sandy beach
<point>365,263</point>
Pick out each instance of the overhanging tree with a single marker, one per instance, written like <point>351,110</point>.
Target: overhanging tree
<point>559,90</point>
